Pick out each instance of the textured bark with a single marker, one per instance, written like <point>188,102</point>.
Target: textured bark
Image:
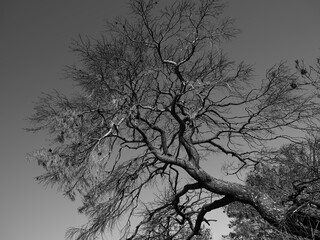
<point>281,217</point>
<point>295,222</point>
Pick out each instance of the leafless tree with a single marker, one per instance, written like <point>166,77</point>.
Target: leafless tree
<point>158,98</point>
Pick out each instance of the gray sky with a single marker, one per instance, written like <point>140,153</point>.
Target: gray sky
<point>34,39</point>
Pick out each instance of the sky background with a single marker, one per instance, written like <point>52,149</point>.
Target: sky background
<point>34,40</point>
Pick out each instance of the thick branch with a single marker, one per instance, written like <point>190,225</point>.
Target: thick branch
<point>207,208</point>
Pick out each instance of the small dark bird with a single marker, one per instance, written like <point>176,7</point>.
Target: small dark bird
<point>303,71</point>
<point>293,85</point>
<point>50,150</point>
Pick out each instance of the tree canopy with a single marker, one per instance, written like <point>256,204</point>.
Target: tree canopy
<point>158,97</point>
<point>293,180</point>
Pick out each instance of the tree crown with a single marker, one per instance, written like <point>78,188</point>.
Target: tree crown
<point>157,98</point>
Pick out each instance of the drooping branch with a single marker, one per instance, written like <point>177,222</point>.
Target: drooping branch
<point>207,208</point>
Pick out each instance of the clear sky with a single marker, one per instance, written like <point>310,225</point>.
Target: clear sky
<point>34,40</point>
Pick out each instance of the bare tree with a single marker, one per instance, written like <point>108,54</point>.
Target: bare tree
<point>158,97</point>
